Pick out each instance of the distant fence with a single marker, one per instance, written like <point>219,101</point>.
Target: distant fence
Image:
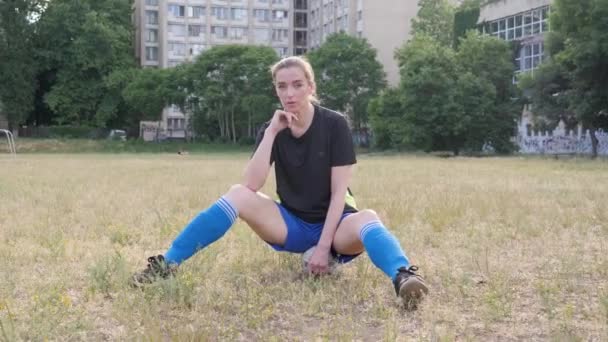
<point>546,143</point>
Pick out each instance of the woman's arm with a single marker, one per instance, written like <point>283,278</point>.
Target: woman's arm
<point>340,178</point>
<point>258,167</point>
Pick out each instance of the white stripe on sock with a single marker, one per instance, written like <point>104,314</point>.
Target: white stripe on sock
<point>368,227</point>
<point>226,208</point>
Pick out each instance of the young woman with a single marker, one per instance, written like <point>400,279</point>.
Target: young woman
<point>312,151</point>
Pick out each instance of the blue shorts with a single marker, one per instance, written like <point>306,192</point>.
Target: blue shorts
<point>302,235</point>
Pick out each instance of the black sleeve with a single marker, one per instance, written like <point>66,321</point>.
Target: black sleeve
<point>342,148</point>
<point>258,140</point>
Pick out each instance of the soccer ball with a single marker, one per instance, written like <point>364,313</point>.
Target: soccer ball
<point>333,261</point>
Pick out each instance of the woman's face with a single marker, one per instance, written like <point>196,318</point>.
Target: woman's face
<point>293,89</point>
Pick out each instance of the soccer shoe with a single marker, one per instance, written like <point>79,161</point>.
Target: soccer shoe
<point>157,269</point>
<point>410,287</point>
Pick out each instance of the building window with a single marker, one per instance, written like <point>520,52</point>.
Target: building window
<point>281,51</point>
<point>300,51</point>
<point>178,30</point>
<point>177,49</point>
<point>219,31</point>
<point>531,55</point>
<point>262,14</point>
<point>238,13</point>
<point>301,4</point>
<point>521,25</point>
<point>279,34</point>
<point>152,2</point>
<point>152,17</point>
<point>151,53</point>
<point>194,30</point>
<point>152,36</point>
<point>237,32</point>
<point>220,13</point>
<point>300,38</point>
<point>278,15</point>
<point>196,11</point>
<point>301,21</point>
<point>178,11</point>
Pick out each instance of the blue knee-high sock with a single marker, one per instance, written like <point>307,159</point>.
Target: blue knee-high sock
<point>204,229</point>
<point>383,248</point>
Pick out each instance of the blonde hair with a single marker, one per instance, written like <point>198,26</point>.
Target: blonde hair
<point>303,64</point>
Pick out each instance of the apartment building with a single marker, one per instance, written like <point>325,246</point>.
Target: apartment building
<point>170,32</point>
<point>524,21</point>
<point>384,23</point>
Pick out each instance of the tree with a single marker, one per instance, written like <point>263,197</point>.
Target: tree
<point>457,100</point>
<point>224,81</point>
<point>435,19</point>
<point>428,80</point>
<point>386,117</point>
<point>465,19</point>
<point>147,92</point>
<point>578,63</point>
<point>490,60</point>
<point>348,75</point>
<point>86,47</point>
<point>17,65</point>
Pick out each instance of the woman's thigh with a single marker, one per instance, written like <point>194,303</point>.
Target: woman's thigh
<point>347,240</point>
<point>260,212</point>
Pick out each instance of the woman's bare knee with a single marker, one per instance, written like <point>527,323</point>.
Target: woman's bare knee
<point>238,195</point>
<point>367,215</point>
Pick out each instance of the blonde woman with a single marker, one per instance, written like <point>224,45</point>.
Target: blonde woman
<point>313,155</point>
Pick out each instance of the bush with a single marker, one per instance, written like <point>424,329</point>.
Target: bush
<point>55,132</point>
<point>246,141</point>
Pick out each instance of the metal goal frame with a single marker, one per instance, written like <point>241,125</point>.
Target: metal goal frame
<point>10,139</point>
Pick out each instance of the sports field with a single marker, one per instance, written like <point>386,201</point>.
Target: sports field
<point>512,249</point>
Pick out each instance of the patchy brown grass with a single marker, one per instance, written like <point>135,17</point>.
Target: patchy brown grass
<point>513,249</point>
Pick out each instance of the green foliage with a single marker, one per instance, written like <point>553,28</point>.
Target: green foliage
<point>148,92</point>
<point>456,100</point>
<point>348,75</point>
<point>465,19</point>
<point>87,46</point>
<point>435,19</point>
<point>232,86</point>
<point>428,78</point>
<point>386,115</point>
<point>17,64</point>
<point>490,60</point>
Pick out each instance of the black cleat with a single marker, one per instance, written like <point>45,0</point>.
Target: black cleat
<point>157,269</point>
<point>410,287</point>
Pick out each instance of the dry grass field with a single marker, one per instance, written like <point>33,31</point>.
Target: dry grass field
<point>512,248</point>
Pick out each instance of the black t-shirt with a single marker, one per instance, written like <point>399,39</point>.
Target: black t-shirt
<point>303,165</point>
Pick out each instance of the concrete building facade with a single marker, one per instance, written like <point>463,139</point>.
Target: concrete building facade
<point>384,23</point>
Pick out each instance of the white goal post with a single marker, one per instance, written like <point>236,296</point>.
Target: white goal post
<point>12,149</point>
